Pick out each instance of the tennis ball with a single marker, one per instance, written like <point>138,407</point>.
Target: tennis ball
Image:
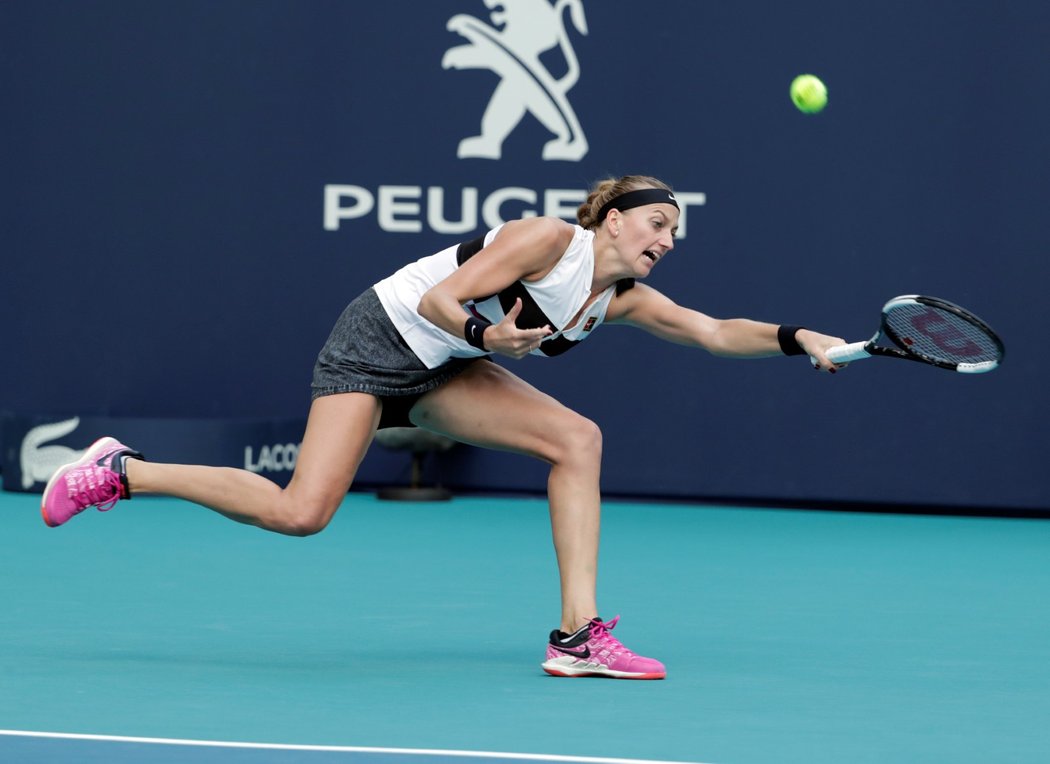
<point>809,94</point>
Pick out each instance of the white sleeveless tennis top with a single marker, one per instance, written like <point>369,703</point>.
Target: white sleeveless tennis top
<point>553,300</point>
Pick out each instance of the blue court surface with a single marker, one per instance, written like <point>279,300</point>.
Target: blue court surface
<point>412,634</point>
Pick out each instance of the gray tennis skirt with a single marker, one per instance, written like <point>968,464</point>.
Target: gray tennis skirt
<point>365,353</point>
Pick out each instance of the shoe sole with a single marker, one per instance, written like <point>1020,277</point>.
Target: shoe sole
<point>572,673</point>
<point>94,451</point>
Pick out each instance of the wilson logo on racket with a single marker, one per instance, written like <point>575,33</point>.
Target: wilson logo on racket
<point>945,335</point>
<point>929,330</point>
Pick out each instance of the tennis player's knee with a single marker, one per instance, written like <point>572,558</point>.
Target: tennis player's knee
<point>577,439</point>
<point>307,517</point>
<point>306,524</point>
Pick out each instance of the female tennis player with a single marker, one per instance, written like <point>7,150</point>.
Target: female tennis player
<point>411,350</point>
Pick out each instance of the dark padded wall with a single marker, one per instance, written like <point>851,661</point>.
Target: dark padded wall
<point>166,252</point>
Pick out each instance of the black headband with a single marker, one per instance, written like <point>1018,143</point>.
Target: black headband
<point>637,198</point>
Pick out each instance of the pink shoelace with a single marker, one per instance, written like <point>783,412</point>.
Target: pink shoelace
<point>606,641</point>
<point>84,491</point>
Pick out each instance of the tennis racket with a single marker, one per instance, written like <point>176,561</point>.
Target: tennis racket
<point>929,330</point>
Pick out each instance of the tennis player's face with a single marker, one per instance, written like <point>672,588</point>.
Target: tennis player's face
<point>648,235</point>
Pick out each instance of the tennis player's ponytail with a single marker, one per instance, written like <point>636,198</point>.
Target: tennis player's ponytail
<point>610,188</point>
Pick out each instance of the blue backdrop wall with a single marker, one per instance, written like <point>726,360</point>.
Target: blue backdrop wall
<point>193,190</point>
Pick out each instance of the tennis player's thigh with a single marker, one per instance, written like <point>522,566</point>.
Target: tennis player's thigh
<point>339,431</point>
<point>488,406</point>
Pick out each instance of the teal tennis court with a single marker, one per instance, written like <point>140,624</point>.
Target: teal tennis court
<point>407,631</point>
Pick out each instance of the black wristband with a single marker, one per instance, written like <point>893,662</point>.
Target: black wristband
<point>474,332</point>
<point>786,337</point>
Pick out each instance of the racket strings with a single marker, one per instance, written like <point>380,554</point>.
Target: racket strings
<point>941,334</point>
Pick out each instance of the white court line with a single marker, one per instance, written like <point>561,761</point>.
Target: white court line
<point>329,748</point>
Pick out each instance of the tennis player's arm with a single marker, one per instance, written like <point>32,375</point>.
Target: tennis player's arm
<point>523,249</point>
<point>657,314</point>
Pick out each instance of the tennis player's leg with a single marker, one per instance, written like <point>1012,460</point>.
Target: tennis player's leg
<point>339,431</point>
<point>488,406</point>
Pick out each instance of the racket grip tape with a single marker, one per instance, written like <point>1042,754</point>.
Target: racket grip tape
<point>855,351</point>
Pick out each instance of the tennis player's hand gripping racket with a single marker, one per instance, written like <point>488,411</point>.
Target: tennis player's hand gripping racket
<point>929,330</point>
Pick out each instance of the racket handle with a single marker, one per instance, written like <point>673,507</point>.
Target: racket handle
<point>855,351</point>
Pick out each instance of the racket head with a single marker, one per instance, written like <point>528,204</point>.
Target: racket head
<point>941,333</point>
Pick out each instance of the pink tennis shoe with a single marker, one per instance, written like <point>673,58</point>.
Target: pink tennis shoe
<point>95,479</point>
<point>593,651</point>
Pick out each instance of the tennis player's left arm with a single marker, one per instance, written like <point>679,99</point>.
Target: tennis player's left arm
<point>659,315</point>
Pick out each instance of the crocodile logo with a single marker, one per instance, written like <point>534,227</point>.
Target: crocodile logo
<point>39,461</point>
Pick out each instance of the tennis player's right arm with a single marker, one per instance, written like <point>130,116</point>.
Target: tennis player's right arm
<point>524,249</point>
<point>652,311</point>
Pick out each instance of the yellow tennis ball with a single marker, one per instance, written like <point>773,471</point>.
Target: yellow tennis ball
<point>809,94</point>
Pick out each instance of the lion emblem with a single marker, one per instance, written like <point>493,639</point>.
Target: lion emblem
<point>511,46</point>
